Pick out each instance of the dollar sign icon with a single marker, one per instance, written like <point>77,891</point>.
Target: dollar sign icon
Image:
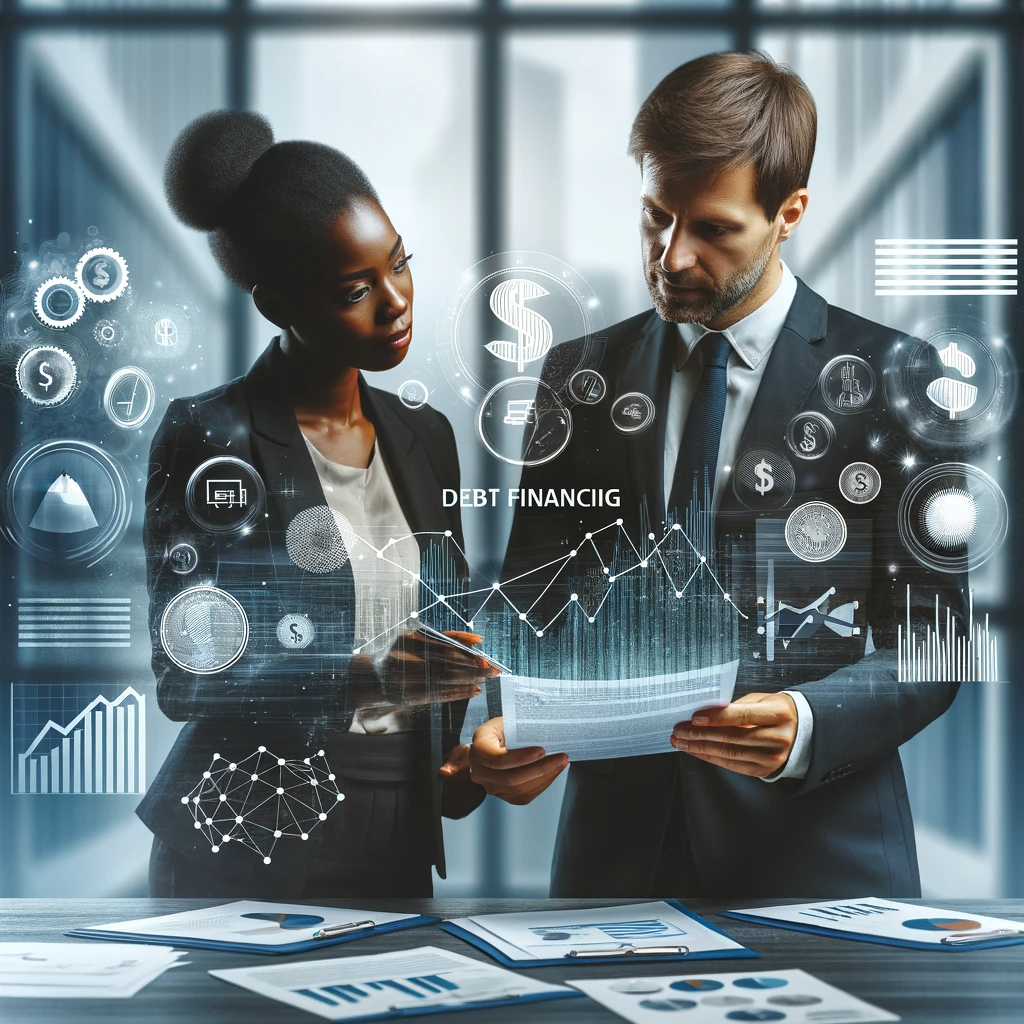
<point>296,635</point>
<point>508,303</point>
<point>100,277</point>
<point>765,480</point>
<point>809,441</point>
<point>44,373</point>
<point>165,332</point>
<point>860,482</point>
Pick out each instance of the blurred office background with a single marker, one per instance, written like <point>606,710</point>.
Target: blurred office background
<point>488,126</point>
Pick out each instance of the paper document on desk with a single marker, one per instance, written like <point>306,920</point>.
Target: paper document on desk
<point>766,995</point>
<point>549,934</point>
<point>78,970</point>
<point>590,719</point>
<point>400,984</point>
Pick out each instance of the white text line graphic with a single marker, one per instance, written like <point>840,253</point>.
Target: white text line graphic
<point>74,622</point>
<point>945,266</point>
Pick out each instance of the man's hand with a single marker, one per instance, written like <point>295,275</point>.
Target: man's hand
<point>753,736</point>
<point>516,776</point>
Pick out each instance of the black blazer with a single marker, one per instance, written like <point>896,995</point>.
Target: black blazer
<point>288,701</point>
<point>846,828</point>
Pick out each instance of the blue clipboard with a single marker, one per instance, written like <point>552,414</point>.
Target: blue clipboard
<point>813,929</point>
<point>305,946</point>
<point>496,954</point>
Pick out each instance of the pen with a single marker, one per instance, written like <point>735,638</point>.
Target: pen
<point>631,951</point>
<point>333,930</point>
<point>967,939</point>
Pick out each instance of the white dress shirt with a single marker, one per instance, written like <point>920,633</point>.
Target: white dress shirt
<point>387,591</point>
<point>751,340</point>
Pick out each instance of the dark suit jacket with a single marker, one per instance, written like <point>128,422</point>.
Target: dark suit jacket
<point>292,702</point>
<point>846,828</point>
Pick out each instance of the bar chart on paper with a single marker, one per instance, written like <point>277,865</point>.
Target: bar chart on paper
<point>77,738</point>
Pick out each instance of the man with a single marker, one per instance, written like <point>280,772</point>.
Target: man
<point>796,787</point>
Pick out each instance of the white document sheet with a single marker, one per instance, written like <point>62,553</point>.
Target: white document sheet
<point>590,719</point>
<point>354,987</point>
<point>793,996</point>
<point>550,934</point>
<point>888,919</point>
<point>250,921</point>
<point>80,970</point>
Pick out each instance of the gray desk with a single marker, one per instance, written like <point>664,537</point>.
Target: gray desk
<point>939,988</point>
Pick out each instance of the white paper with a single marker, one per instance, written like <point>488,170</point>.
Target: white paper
<point>793,996</point>
<point>353,987</point>
<point>550,934</point>
<point>597,718</point>
<point>250,921</point>
<point>886,919</point>
<point>76,970</point>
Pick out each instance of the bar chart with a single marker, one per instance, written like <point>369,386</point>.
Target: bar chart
<point>84,743</point>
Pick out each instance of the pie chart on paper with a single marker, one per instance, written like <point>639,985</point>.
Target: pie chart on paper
<point>942,924</point>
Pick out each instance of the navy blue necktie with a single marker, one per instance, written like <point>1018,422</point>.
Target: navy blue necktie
<point>702,435</point>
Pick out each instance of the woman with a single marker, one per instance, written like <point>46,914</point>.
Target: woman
<point>353,483</point>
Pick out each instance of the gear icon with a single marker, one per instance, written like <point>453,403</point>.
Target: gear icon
<point>102,274</point>
<point>59,303</point>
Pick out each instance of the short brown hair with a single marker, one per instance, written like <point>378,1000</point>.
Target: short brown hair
<point>728,109</point>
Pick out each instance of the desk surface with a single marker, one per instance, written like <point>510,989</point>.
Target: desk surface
<point>966,987</point>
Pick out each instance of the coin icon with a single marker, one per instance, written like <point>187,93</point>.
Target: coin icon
<point>587,387</point>
<point>102,274</point>
<point>183,558</point>
<point>204,630</point>
<point>847,384</point>
<point>129,397</point>
<point>810,435</point>
<point>59,303</point>
<point>632,413</point>
<point>295,631</point>
<point>764,480</point>
<point>413,394</point>
<point>46,375</point>
<point>815,532</point>
<point>860,483</point>
<point>225,495</point>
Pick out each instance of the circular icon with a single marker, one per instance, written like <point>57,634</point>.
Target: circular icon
<point>225,495</point>
<point>129,397</point>
<point>295,631</point>
<point>165,330</point>
<point>942,924</point>
<point>108,333</point>
<point>955,387</point>
<point>815,532</point>
<point>632,413</point>
<point>46,375</point>
<point>510,314</point>
<point>860,483</point>
<point>183,558</point>
<point>847,384</point>
<point>59,303</point>
<point>319,539</point>
<point>810,435</point>
<point>66,501</point>
<point>102,274</point>
<point>523,422</point>
<point>636,986</point>
<point>587,387</point>
<point>204,630</point>
<point>760,983</point>
<point>667,1005</point>
<point>953,517</point>
<point>794,1000</point>
<point>413,394</point>
<point>764,480</point>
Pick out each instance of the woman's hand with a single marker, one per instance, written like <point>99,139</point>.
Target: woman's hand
<point>419,670</point>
